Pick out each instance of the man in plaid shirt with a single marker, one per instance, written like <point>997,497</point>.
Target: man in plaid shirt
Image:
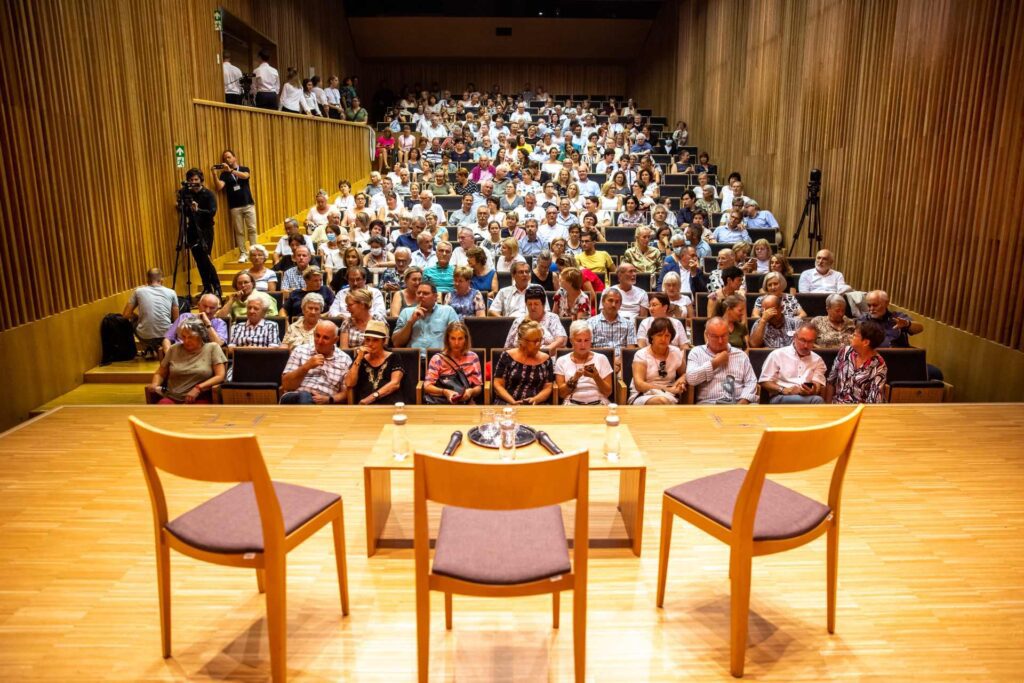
<point>315,372</point>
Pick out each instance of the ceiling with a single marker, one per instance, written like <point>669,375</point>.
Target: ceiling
<point>566,9</point>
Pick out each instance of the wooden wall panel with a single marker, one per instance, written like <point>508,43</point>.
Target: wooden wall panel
<point>96,94</point>
<point>589,77</point>
<point>911,108</point>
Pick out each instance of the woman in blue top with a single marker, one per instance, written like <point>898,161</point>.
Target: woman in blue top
<point>483,280</point>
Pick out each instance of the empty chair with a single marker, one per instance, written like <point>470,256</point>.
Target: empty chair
<point>251,525</point>
<point>501,535</point>
<point>256,376</point>
<point>489,332</point>
<point>755,516</point>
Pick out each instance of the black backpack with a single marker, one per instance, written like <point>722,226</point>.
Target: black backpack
<point>118,339</point>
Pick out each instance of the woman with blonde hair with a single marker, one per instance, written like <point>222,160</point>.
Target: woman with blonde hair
<point>642,254</point>
<point>524,375</point>
<point>509,255</point>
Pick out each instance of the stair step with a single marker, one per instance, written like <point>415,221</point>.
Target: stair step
<point>136,371</point>
<point>97,394</point>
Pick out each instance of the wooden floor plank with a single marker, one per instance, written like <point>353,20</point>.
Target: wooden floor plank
<point>931,569</point>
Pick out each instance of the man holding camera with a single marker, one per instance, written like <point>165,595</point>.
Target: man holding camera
<point>235,179</point>
<point>199,205</point>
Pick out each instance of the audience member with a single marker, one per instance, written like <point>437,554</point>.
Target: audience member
<point>455,375</point>
<point>302,330</point>
<point>644,257</point>
<point>610,329</point>
<point>157,308</point>
<point>822,278</point>
<point>191,368</point>
<point>634,299</point>
<point>315,372</point>
<point>775,284</point>
<point>524,375</point>
<point>583,378</point>
<point>719,372</point>
<point>551,326</point>
<point>773,329</point>
<point>313,280</point>
<point>658,368</point>
<point>235,305</point>
<point>898,327</point>
<point>510,301</point>
<point>834,328</point>
<point>466,300</point>
<point>359,304</point>
<point>441,272</point>
<point>375,376</point>
<point>423,326</point>
<point>794,373</point>
<point>660,307</point>
<point>255,330</point>
<point>216,328</point>
<point>859,373</point>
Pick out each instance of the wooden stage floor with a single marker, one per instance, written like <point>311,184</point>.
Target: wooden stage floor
<point>931,569</point>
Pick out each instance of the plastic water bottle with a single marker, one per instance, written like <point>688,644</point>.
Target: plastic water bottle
<point>399,436</point>
<point>507,436</point>
<point>612,434</point>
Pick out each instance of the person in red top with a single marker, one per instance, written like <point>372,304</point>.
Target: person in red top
<point>385,147</point>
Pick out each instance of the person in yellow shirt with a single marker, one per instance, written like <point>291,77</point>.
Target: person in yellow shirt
<point>598,262</point>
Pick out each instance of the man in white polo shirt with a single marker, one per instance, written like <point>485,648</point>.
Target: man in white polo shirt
<point>634,299</point>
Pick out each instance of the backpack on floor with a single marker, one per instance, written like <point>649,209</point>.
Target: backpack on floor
<point>118,339</point>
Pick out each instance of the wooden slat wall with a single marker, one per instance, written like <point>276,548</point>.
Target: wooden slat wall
<point>556,77</point>
<point>911,108</point>
<point>96,94</point>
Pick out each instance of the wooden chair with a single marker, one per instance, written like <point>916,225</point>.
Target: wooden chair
<point>755,516</point>
<point>252,525</point>
<point>501,536</point>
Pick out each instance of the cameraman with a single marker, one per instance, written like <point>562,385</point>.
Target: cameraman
<point>240,202</point>
<point>199,205</point>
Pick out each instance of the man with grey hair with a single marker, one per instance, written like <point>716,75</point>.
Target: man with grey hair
<point>898,326</point>
<point>794,373</point>
<point>206,313</point>
<point>315,373</point>
<point>529,209</point>
<point>427,205</point>
<point>466,241</point>
<point>291,229</point>
<point>821,278</point>
<point>634,300</point>
<point>720,373</point>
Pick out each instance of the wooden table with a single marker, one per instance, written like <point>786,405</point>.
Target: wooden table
<point>433,437</point>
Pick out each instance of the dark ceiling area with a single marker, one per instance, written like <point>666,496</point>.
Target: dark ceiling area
<point>556,9</point>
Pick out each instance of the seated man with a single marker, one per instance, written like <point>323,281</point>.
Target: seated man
<point>315,372</point>
<point>598,262</point>
<point>531,244</point>
<point>292,278</point>
<point>157,308</point>
<point>795,373</point>
<point>357,277</point>
<point>442,272</point>
<point>726,259</point>
<point>554,333</point>
<point>720,373</point>
<point>424,256</point>
<point>609,329</point>
<point>207,311</point>
<point>510,301</point>
<point>734,231</point>
<point>898,326</point>
<point>822,279</point>
<point>634,299</point>
<point>774,329</point>
<point>291,229</point>
<point>423,326</point>
<point>756,218</point>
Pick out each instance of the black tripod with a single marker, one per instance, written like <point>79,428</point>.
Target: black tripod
<point>193,244</point>
<point>811,214</point>
<point>185,216</point>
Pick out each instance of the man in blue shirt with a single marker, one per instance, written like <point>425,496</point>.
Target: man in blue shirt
<point>423,326</point>
<point>756,218</point>
<point>531,245</point>
<point>641,146</point>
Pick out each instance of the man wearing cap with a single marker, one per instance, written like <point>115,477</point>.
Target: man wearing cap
<point>554,332</point>
<point>315,372</point>
<point>423,326</point>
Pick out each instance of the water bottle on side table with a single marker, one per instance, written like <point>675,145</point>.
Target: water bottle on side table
<point>612,434</point>
<point>399,436</point>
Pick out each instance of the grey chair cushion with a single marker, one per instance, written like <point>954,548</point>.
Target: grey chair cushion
<point>501,547</point>
<point>781,512</point>
<point>230,522</point>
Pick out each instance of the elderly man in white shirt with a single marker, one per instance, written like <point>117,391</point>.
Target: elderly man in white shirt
<point>357,280</point>
<point>529,209</point>
<point>466,242</point>
<point>520,115</point>
<point>511,301</point>
<point>634,300</point>
<point>794,373</point>
<point>427,205</point>
<point>552,229</point>
<point>719,372</point>
<point>822,279</point>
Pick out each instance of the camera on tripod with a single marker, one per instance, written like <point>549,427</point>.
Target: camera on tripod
<point>814,184</point>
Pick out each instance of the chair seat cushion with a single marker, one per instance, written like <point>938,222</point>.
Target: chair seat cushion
<point>501,547</point>
<point>781,512</point>
<point>230,522</point>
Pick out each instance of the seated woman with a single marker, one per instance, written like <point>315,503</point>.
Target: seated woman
<point>524,375</point>
<point>632,216</point>
<point>359,302</point>
<point>235,306</point>
<point>680,304</point>
<point>264,278</point>
<point>443,382</point>
<point>541,273</point>
<point>834,328</point>
<point>485,278</point>
<point>645,257</point>
<point>735,314</point>
<point>375,376</point>
<point>570,300</point>
<point>509,255</point>
<point>463,298</point>
<point>583,378</point>
<point>191,368</point>
<point>256,330</point>
<point>406,297</point>
<point>859,373</point>
<point>316,217</point>
<point>780,264</point>
<point>659,306</point>
<point>775,283</point>
<point>659,369</point>
<point>762,255</point>
<point>313,278</point>
<point>301,331</point>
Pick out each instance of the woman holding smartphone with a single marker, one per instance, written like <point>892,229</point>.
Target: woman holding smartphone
<point>583,378</point>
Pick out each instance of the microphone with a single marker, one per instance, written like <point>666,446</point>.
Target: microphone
<point>544,440</point>
<point>453,443</point>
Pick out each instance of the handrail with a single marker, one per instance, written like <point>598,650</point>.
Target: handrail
<point>275,112</point>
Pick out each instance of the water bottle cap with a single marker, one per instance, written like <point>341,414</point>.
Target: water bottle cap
<point>399,406</point>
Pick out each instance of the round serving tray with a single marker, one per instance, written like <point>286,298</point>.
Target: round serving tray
<point>524,437</point>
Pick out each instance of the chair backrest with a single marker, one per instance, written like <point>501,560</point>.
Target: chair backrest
<point>258,365</point>
<point>795,449</point>
<point>905,365</point>
<point>219,458</point>
<point>489,332</point>
<point>410,359</point>
<point>627,366</point>
<point>697,331</point>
